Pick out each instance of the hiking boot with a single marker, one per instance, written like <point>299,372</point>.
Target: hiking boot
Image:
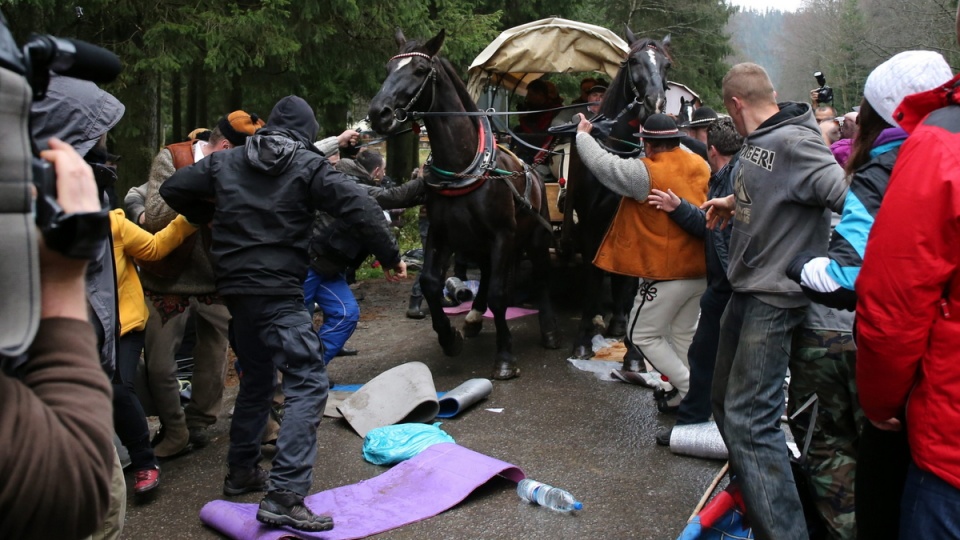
<point>199,437</point>
<point>175,442</point>
<point>347,352</point>
<point>146,480</point>
<point>240,481</point>
<point>663,436</point>
<point>286,508</point>
<point>413,309</point>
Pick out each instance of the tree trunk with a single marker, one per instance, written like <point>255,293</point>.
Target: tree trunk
<point>140,99</point>
<point>175,113</point>
<point>203,116</point>
<point>190,120</point>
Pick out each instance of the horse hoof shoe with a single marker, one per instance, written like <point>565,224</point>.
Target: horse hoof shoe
<point>472,330</point>
<point>505,371</point>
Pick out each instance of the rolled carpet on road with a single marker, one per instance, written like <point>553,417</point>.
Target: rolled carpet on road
<point>435,480</point>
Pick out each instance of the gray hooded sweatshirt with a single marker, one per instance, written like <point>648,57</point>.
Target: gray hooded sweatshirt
<point>787,180</point>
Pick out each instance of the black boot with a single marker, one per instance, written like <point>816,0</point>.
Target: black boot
<point>413,310</point>
<point>283,507</point>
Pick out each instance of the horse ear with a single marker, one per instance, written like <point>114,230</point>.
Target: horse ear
<point>629,35</point>
<point>666,42</point>
<point>433,46</point>
<point>400,38</point>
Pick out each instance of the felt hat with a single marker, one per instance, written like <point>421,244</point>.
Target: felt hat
<point>659,126</point>
<point>703,117</point>
<point>238,125</point>
<point>597,89</point>
<point>906,73</point>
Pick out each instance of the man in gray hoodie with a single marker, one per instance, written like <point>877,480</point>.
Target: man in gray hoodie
<point>787,180</point>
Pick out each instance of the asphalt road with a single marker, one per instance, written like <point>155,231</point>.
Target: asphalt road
<point>559,424</point>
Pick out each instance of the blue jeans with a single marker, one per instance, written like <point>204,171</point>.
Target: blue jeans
<point>339,307</point>
<point>930,508</point>
<point>752,360</point>
<point>702,357</point>
<point>271,333</point>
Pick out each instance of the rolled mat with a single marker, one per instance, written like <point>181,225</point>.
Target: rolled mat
<point>698,440</point>
<point>435,480</point>
<point>512,312</point>
<point>455,401</point>
<point>402,394</point>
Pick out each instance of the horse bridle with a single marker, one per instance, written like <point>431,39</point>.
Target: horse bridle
<point>625,64</point>
<point>401,113</point>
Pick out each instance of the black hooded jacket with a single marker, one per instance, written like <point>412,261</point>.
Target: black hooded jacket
<point>261,200</point>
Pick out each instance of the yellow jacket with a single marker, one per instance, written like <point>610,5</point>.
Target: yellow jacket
<point>129,242</point>
<point>643,241</point>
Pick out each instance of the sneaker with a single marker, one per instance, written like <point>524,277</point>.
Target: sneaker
<point>285,508</point>
<point>240,481</point>
<point>199,437</point>
<point>663,436</point>
<point>146,480</point>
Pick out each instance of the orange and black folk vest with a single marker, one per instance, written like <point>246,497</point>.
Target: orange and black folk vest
<point>643,241</point>
<point>171,266</point>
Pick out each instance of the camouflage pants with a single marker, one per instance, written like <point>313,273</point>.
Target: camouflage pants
<point>824,363</point>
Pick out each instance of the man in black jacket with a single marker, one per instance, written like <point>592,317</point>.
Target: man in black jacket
<point>265,194</point>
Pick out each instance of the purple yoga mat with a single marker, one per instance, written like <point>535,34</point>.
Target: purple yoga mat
<point>435,480</point>
<point>512,312</point>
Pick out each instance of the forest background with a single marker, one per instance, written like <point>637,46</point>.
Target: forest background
<point>188,62</point>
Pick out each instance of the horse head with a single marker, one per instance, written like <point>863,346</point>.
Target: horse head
<point>642,77</point>
<point>410,84</point>
<point>685,114</point>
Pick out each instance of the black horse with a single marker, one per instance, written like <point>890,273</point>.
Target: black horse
<point>482,202</point>
<point>638,90</point>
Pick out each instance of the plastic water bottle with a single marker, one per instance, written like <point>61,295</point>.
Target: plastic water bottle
<point>547,496</point>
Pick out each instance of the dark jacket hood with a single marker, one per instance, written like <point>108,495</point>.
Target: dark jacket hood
<point>76,112</point>
<point>788,111</point>
<point>294,114</point>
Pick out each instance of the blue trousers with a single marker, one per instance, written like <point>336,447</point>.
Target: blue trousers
<point>930,508</point>
<point>702,357</point>
<point>271,333</point>
<point>339,307</point>
<point>748,400</point>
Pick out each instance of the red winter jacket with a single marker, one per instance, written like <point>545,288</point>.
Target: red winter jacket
<point>908,313</point>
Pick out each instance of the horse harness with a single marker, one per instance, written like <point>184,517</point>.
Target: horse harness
<point>451,184</point>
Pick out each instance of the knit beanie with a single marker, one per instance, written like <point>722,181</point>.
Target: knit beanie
<point>906,73</point>
<point>238,125</point>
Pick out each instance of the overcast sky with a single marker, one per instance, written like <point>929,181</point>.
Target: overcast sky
<point>761,5</point>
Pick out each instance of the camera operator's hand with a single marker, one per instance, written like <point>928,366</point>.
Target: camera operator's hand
<point>813,96</point>
<point>62,287</point>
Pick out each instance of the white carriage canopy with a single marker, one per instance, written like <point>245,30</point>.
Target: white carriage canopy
<point>524,53</point>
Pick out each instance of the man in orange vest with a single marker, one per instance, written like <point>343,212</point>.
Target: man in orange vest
<point>645,243</point>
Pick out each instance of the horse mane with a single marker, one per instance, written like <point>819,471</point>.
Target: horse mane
<point>461,89</point>
<point>618,88</point>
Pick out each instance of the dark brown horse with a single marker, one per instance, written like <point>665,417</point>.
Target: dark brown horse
<point>638,90</point>
<point>482,202</point>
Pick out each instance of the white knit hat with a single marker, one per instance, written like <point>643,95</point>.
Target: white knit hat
<point>906,73</point>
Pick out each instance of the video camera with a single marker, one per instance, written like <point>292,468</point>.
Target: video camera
<point>24,76</point>
<point>824,93</point>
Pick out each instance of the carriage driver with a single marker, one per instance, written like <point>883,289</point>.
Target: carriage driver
<point>645,243</point>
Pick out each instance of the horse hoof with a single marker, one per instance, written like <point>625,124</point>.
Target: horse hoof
<point>549,340</point>
<point>582,352</point>
<point>472,329</point>
<point>617,328</point>
<point>504,370</point>
<point>455,346</point>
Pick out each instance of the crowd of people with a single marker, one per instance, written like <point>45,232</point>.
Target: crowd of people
<point>768,247</point>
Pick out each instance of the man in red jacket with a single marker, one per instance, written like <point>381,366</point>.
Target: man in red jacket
<point>908,312</point>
